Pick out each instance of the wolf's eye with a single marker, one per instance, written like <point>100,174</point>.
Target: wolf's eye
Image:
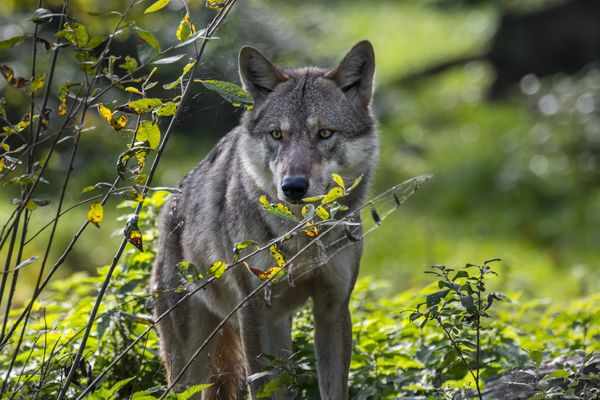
<point>276,134</point>
<point>325,133</point>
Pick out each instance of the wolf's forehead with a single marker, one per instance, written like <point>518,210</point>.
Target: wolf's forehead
<point>308,96</point>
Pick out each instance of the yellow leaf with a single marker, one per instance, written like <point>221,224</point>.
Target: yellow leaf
<point>333,195</point>
<point>38,83</point>
<point>148,132</point>
<point>30,205</point>
<point>312,199</point>
<point>158,5</point>
<point>322,213</point>
<point>2,164</point>
<point>217,269</point>
<point>338,179</point>
<point>105,112</point>
<point>355,183</point>
<point>311,230</point>
<point>96,214</point>
<point>268,274</point>
<point>185,29</point>
<point>119,122</point>
<point>131,89</point>
<point>277,255</point>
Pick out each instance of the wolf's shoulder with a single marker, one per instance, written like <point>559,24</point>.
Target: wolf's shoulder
<point>218,158</point>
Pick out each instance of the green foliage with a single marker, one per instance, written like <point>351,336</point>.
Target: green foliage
<point>394,355</point>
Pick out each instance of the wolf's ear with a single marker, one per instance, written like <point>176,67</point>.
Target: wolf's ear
<point>354,75</point>
<point>259,76</point>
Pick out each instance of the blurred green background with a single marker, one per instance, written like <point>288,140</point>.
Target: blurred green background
<point>499,100</point>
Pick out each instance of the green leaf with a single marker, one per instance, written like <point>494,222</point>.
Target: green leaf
<point>334,194</point>
<point>217,269</point>
<point>95,41</point>
<point>168,109</point>
<point>338,179</point>
<point>241,246</point>
<point>230,92</point>
<point>355,183</point>
<point>192,391</point>
<point>189,271</point>
<point>130,64</point>
<point>148,37</point>
<point>434,298</point>
<point>278,209</point>
<point>156,6</point>
<point>38,82</point>
<point>468,303</point>
<point>75,33</point>
<point>141,106</point>
<point>148,132</point>
<point>322,213</point>
<point>118,386</point>
<point>185,29</point>
<point>9,43</point>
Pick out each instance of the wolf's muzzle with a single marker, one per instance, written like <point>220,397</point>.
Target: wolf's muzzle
<point>294,187</point>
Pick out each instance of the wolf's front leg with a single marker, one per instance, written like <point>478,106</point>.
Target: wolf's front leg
<point>333,346</point>
<point>261,333</point>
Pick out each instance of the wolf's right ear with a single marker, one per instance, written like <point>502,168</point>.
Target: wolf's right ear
<point>259,76</point>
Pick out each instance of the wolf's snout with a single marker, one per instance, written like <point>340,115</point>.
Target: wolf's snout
<point>294,187</point>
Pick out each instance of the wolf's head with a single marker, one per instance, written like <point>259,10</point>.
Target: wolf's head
<point>308,123</point>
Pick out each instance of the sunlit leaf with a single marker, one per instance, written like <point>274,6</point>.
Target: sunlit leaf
<point>148,132</point>
<point>338,179</point>
<point>63,93</point>
<point>189,271</point>
<point>130,64</point>
<point>278,209</point>
<point>8,43</point>
<point>308,211</point>
<point>118,123</point>
<point>268,274</point>
<point>95,214</point>
<point>241,246</point>
<point>74,32</point>
<point>132,89</point>
<point>217,269</point>
<point>137,152</point>
<point>311,230</point>
<point>95,41</point>
<point>322,213</point>
<point>88,189</point>
<point>133,234</point>
<point>141,106</point>
<point>148,37</point>
<point>105,112</point>
<point>313,199</point>
<point>230,92</point>
<point>355,183</point>
<point>277,255</point>
<point>334,194</point>
<point>158,5</point>
<point>185,29</point>
<point>168,109</point>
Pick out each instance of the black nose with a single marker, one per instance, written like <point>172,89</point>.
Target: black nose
<point>294,187</point>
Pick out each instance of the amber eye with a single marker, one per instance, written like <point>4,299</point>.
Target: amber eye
<point>276,134</point>
<point>325,133</point>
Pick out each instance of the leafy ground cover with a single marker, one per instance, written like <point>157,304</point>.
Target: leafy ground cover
<point>417,344</point>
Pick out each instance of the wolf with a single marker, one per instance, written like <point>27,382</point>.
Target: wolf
<point>306,124</point>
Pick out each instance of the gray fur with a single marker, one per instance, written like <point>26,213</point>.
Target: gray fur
<point>219,207</point>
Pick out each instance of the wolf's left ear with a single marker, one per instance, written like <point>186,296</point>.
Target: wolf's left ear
<point>259,76</point>
<point>354,75</point>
